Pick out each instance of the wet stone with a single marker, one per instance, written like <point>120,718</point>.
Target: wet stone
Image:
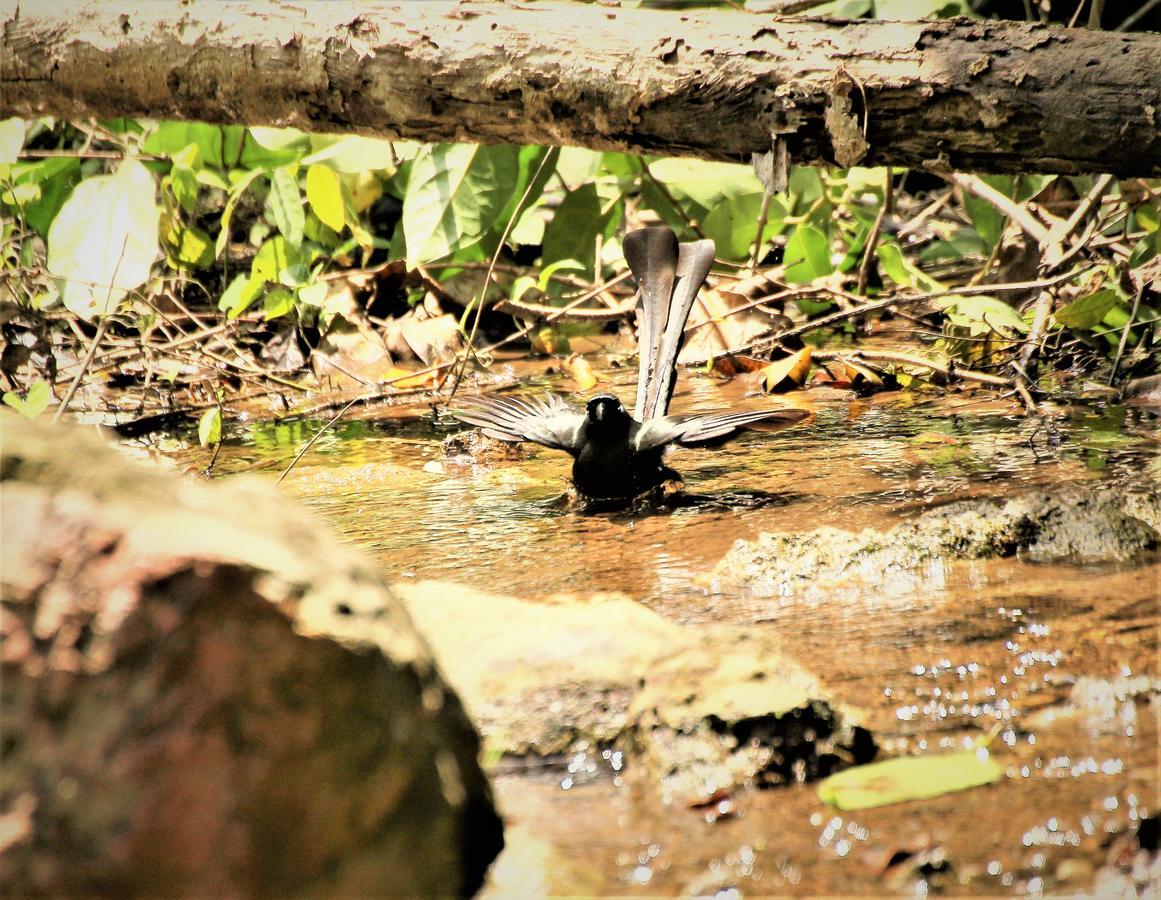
<point>1080,528</point>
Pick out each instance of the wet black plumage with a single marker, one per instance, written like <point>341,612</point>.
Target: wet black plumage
<point>618,456</point>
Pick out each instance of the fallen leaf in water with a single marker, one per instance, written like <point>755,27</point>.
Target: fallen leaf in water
<point>909,778</point>
<point>788,373</point>
<point>581,372</point>
<point>736,364</point>
<point>409,378</point>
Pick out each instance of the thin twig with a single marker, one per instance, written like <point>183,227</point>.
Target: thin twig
<point>763,213</point>
<point>491,268</point>
<point>101,326</point>
<point>873,237</point>
<point>318,434</point>
<point>1125,334</point>
<point>947,370</point>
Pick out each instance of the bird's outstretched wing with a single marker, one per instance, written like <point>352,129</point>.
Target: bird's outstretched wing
<point>669,276</point>
<point>548,421</point>
<point>708,429</point>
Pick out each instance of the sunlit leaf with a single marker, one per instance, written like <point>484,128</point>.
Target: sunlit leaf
<point>218,145</point>
<point>274,258</point>
<point>807,255</point>
<point>313,294</point>
<point>454,195</point>
<point>324,191</point>
<point>1145,250</point>
<point>901,270</point>
<point>1089,311</point>
<point>987,220</point>
<point>284,203</point>
<point>572,233</point>
<point>581,372</point>
<point>733,224</point>
<point>11,140</point>
<point>236,193</point>
<point>280,138</point>
<point>236,299</point>
<point>981,313</point>
<point>103,242</point>
<point>34,401</point>
<point>351,153</point>
<point>909,778</point>
<point>277,302</point>
<point>787,373</point>
<point>210,427</point>
<point>1148,216</point>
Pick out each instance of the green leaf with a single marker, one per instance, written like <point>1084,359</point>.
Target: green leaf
<point>11,140</point>
<point>34,401</point>
<point>572,233</point>
<point>184,181</point>
<point>324,192</point>
<point>54,179</point>
<point>1087,312</point>
<point>236,299</point>
<point>350,153</point>
<point>1145,250</point>
<point>190,247</point>
<point>231,204</point>
<point>280,139</point>
<point>103,242</point>
<point>807,255</point>
<point>274,258</point>
<point>217,145</point>
<point>693,187</point>
<point>909,778</point>
<point>987,220</point>
<point>278,302</point>
<point>284,203</point>
<point>733,224</point>
<point>1148,216</point>
<point>901,270</point>
<point>454,196</point>
<point>210,427</point>
<point>980,313</point>
<point>314,294</point>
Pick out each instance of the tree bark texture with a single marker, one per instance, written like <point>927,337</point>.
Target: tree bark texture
<point>717,84</point>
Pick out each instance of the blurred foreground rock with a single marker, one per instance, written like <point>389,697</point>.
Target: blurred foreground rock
<point>698,712</point>
<point>204,695</point>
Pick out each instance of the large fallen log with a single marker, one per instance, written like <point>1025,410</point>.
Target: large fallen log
<point>718,84</point>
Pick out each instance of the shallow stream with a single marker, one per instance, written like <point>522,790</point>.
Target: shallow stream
<point>1058,661</point>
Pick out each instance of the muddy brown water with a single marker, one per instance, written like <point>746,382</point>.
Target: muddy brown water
<point>1058,661</point>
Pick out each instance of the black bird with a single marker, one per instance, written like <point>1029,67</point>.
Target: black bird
<point>617,456</point>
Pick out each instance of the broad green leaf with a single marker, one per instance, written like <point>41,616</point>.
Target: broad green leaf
<point>807,255</point>
<point>228,212</point>
<point>34,401</point>
<point>578,165</point>
<point>693,187</point>
<point>1087,312</point>
<point>189,247</point>
<point>236,299</point>
<point>314,294</point>
<point>1148,216</point>
<point>218,145</point>
<point>278,302</point>
<point>901,270</point>
<point>324,191</point>
<point>572,233</point>
<point>11,140</point>
<point>804,188</point>
<point>103,241</point>
<point>909,778</point>
<point>733,224</point>
<point>284,203</point>
<point>529,168</point>
<point>987,220</point>
<point>280,138</point>
<point>981,313</point>
<point>273,258</point>
<point>210,427</point>
<point>454,196</point>
<point>184,182</point>
<point>50,182</point>
<point>1146,249</point>
<point>350,153</point>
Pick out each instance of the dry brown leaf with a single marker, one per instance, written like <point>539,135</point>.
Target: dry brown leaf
<point>788,373</point>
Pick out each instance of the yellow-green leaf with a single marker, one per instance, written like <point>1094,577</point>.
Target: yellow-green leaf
<point>324,191</point>
<point>1087,312</point>
<point>909,778</point>
<point>34,401</point>
<point>210,426</point>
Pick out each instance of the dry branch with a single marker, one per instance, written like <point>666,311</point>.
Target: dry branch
<point>717,84</point>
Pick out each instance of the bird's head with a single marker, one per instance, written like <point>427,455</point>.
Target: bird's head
<point>606,416</point>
